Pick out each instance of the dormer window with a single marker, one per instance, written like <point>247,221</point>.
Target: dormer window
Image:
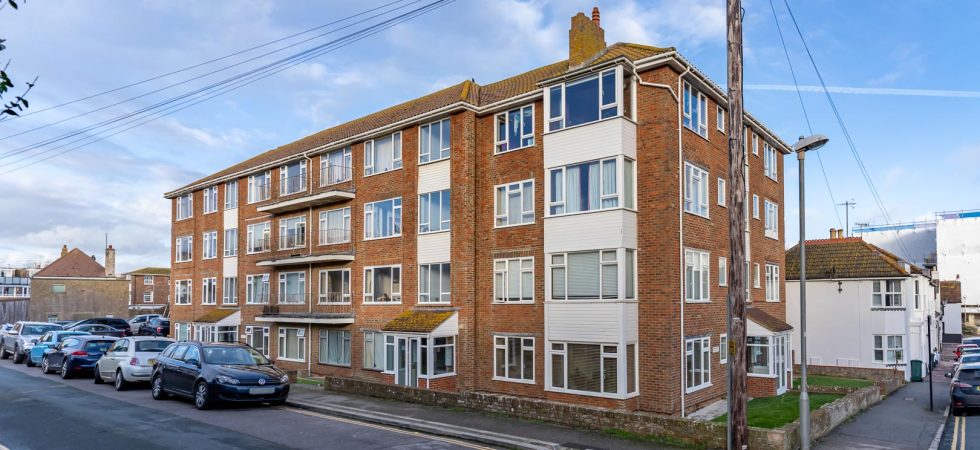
<point>584,100</point>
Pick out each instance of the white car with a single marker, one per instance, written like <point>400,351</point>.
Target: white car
<point>130,360</point>
<point>21,338</point>
<point>139,320</point>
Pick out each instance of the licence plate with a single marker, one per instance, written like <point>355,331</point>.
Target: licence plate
<point>150,362</point>
<point>262,391</point>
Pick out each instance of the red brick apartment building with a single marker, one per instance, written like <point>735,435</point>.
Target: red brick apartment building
<point>561,234</point>
<point>149,290</point>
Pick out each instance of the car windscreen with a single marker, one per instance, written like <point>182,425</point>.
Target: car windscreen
<point>97,346</point>
<point>151,346</point>
<point>62,337</point>
<point>33,330</point>
<point>969,359</point>
<point>237,356</point>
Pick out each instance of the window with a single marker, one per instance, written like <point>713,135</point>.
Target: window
<point>292,177</point>
<point>443,355</point>
<point>515,129</point>
<point>231,242</point>
<point>383,219</point>
<point>513,280</point>
<point>755,206</point>
<point>148,297</point>
<point>886,293</point>
<point>514,203</point>
<point>755,144</point>
<point>184,248</point>
<point>513,358</point>
<point>374,350</point>
<point>583,101</point>
<point>585,367</point>
<point>210,248</point>
<point>695,190</point>
<point>698,359</point>
<point>185,206</point>
<point>757,348</point>
<point>259,237</point>
<point>772,220</point>
<point>229,291</point>
<point>772,283</point>
<point>292,344</point>
<point>335,226</point>
<point>210,199</point>
<point>629,184</point>
<point>335,347</point>
<point>182,292</point>
<point>258,338</point>
<point>383,155</point>
<point>257,289</point>
<point>231,194</point>
<point>917,296</point>
<point>756,282</point>
<point>182,331</point>
<point>585,275</point>
<point>434,211</point>
<point>888,349</point>
<point>723,349</point>
<point>696,263</point>
<point>335,167</point>
<point>208,291</point>
<point>382,284</point>
<point>722,271</point>
<point>695,111</point>
<point>335,286</point>
<point>292,288</point>
<point>721,192</point>
<point>227,334</point>
<point>260,187</point>
<point>771,160</point>
<point>434,141</point>
<point>584,187</point>
<point>148,280</point>
<point>292,232</point>
<point>720,118</point>
<point>434,283</point>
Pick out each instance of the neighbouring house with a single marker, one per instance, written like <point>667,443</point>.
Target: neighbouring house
<point>865,307</point>
<point>75,286</point>
<point>949,293</point>
<point>149,290</point>
<point>561,234</point>
<point>15,294</point>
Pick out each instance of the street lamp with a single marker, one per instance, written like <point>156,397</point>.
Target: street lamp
<point>802,146</point>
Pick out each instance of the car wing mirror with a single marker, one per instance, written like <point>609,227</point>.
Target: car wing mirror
<point>948,374</point>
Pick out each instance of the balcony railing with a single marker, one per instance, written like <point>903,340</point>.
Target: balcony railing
<point>334,298</point>
<point>292,240</point>
<point>334,236</point>
<point>259,192</point>
<point>260,245</point>
<point>15,281</point>
<point>296,298</point>
<point>334,174</point>
<point>339,313</point>
<point>293,184</point>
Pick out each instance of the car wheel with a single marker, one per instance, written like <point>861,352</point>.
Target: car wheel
<point>120,382</point>
<point>156,389</point>
<point>29,362</point>
<point>65,374</point>
<point>97,378</point>
<point>18,357</point>
<point>3,353</point>
<point>45,365</point>
<point>202,398</point>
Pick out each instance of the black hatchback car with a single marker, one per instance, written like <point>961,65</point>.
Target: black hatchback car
<point>114,322</point>
<point>964,389</point>
<point>157,326</point>
<point>217,372</point>
<point>75,355</point>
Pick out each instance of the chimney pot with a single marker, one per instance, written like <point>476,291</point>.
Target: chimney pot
<point>840,233</point>
<point>833,233</point>
<point>595,15</point>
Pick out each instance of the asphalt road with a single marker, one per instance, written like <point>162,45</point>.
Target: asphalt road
<point>962,432</point>
<point>40,411</point>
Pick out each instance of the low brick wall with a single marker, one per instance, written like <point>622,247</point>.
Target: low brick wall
<point>886,379</point>
<point>829,416</point>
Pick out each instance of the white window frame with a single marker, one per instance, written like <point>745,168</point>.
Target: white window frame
<point>229,290</point>
<point>606,351</point>
<point>209,249</point>
<point>301,343</point>
<point>425,212</point>
<point>183,288</point>
<point>559,262</point>
<point>690,353</point>
<point>443,152</point>
<point>396,296</point>
<point>772,283</point>
<point>396,223</point>
<point>690,95</point>
<point>284,282</point>
<point>147,300</point>
<point>327,235</point>
<point>501,144</point>
<point>696,175</point>
<point>757,277</point>
<point>250,338</point>
<point>772,220</point>
<point>884,343</point>
<point>210,196</point>
<point>209,291</point>
<point>720,118</point>
<point>256,189</point>
<point>506,191</point>
<point>231,194</point>
<point>697,263</point>
<point>722,271</point>
<point>755,206</point>
<point>555,117</point>
<point>148,280</point>
<point>396,154</point>
<point>755,144</point>
<point>179,245</point>
<point>250,293</point>
<point>346,170</point>
<point>296,225</point>
<point>324,291</point>
<point>883,294</point>
<point>557,197</point>
<point>231,242</point>
<point>723,348</point>
<point>445,292</point>
<point>324,356</point>
<point>722,193</point>
<point>284,178</point>
<point>377,346</point>
<point>253,234</point>
<point>771,161</point>
<point>501,343</point>
<point>501,279</point>
<point>185,206</point>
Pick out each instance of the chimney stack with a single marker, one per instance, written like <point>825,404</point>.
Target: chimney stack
<point>585,38</point>
<point>64,250</point>
<point>110,262</point>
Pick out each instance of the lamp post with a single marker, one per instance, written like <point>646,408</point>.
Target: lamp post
<point>802,146</point>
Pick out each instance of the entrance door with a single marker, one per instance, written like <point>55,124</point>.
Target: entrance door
<point>406,353</point>
<point>780,364</point>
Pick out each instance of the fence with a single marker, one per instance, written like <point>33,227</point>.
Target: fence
<point>13,310</point>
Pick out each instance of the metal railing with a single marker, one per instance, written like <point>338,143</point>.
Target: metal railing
<point>334,174</point>
<point>296,298</point>
<point>259,245</point>
<point>22,281</point>
<point>329,298</point>
<point>334,236</point>
<point>292,239</point>
<point>260,192</point>
<point>293,184</point>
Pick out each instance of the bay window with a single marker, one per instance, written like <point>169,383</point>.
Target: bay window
<point>698,363</point>
<point>886,293</point>
<point>514,203</point>
<point>515,129</point>
<point>443,356</point>
<point>382,284</point>
<point>335,286</point>
<point>697,276</point>
<point>383,219</point>
<point>513,280</point>
<point>585,367</point>
<point>592,275</point>
<point>335,167</point>
<point>434,211</point>
<point>260,187</point>
<point>292,232</point>
<point>292,288</point>
<point>434,283</point>
<point>292,177</point>
<point>513,358</point>
<point>383,155</point>
<point>434,141</point>
<point>584,100</point>
<point>590,186</point>
<point>758,354</point>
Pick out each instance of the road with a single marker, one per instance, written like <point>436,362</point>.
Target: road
<point>40,411</point>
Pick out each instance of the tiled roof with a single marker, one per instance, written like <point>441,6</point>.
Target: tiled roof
<point>844,258</point>
<point>151,271</point>
<point>949,291</point>
<point>74,264</point>
<point>766,321</point>
<point>215,315</point>
<point>418,320</point>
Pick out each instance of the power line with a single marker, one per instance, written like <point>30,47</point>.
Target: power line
<point>847,135</point>
<point>803,106</point>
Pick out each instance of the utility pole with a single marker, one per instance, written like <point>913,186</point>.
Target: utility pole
<point>848,206</point>
<point>929,364</point>
<point>738,430</point>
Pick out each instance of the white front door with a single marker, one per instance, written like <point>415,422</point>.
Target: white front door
<point>782,379</point>
<point>406,361</point>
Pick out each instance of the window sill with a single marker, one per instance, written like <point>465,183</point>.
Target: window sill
<point>695,302</point>
<point>593,300</point>
<point>347,303</point>
<point>323,185</point>
<point>435,377</point>
<point>227,208</point>
<point>521,302</point>
<point>589,394</point>
<point>694,389</point>
<point>423,233</point>
<point>703,216</point>
<point>344,366</point>
<point>327,244</point>
<point>382,238</point>
<point>287,194</point>
<point>257,253</point>
<point>591,211</point>
<point>256,304</point>
<point>513,380</point>
<point>761,375</point>
<point>433,303</point>
<point>290,359</point>
<point>692,130</point>
<point>290,304</point>
<point>231,256</point>
<point>206,258</point>
<point>496,152</point>
<point>292,248</point>
<point>380,303</point>
<point>382,173</point>
<point>431,161</point>
<point>183,219</point>
<point>771,178</point>
<point>497,227</point>
<point>209,212</point>
<point>182,304</point>
<point>184,261</point>
<point>230,304</point>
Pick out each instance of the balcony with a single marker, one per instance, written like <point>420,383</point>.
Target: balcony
<point>292,185</point>
<point>259,245</point>
<point>336,185</point>
<point>333,236</point>
<point>301,256</point>
<point>333,314</point>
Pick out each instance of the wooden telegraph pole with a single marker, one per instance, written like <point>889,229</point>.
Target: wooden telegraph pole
<point>738,431</point>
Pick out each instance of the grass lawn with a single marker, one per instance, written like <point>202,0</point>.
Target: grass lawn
<point>309,381</point>
<point>822,380</point>
<point>774,412</point>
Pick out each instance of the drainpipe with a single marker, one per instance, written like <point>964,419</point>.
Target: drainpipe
<point>680,218</point>
<point>309,272</point>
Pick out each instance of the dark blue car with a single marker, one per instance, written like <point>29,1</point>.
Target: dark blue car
<point>75,355</point>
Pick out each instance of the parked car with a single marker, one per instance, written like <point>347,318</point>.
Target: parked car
<point>114,322</point>
<point>964,389</point>
<point>158,326</point>
<point>130,360</point>
<point>75,355</point>
<point>3,331</point>
<point>971,340</point>
<point>959,349</point>
<point>48,340</point>
<point>101,330</point>
<point>139,320</point>
<point>217,372</point>
<point>22,337</point>
<point>63,322</point>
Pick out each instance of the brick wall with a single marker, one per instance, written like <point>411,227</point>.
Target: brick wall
<point>160,287</point>
<point>82,299</point>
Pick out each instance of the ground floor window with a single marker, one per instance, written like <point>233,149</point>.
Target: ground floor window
<point>698,359</point>
<point>335,347</point>
<point>258,338</point>
<point>182,331</point>
<point>227,334</point>
<point>206,333</point>
<point>513,358</point>
<point>758,352</point>
<point>888,349</point>
<point>585,367</point>
<point>444,355</point>
<point>374,350</point>
<point>292,344</point>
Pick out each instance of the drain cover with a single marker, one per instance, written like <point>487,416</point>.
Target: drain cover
<point>909,399</point>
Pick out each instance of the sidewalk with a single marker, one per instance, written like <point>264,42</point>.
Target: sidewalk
<point>900,421</point>
<point>492,429</point>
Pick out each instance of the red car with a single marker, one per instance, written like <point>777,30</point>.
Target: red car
<point>959,349</point>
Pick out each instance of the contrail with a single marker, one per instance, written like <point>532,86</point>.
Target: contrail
<point>866,91</point>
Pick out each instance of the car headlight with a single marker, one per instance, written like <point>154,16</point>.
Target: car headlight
<point>224,379</point>
<point>284,379</point>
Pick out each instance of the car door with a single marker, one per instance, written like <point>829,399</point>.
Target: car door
<point>57,354</point>
<point>169,366</point>
<point>110,361</point>
<point>188,369</point>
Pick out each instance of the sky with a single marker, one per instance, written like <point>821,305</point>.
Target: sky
<point>903,76</point>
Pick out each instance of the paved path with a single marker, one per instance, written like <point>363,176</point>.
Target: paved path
<point>45,412</point>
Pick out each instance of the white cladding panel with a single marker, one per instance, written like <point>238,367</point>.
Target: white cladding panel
<point>230,218</point>
<point>590,231</point>
<point>631,322</point>
<point>434,176</point>
<point>434,247</point>
<point>229,266</point>
<point>601,139</point>
<point>587,321</point>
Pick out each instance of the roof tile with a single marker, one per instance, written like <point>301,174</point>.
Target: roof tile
<point>844,258</point>
<point>74,264</point>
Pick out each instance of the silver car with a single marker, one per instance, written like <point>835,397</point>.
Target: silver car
<point>130,360</point>
<point>22,337</point>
